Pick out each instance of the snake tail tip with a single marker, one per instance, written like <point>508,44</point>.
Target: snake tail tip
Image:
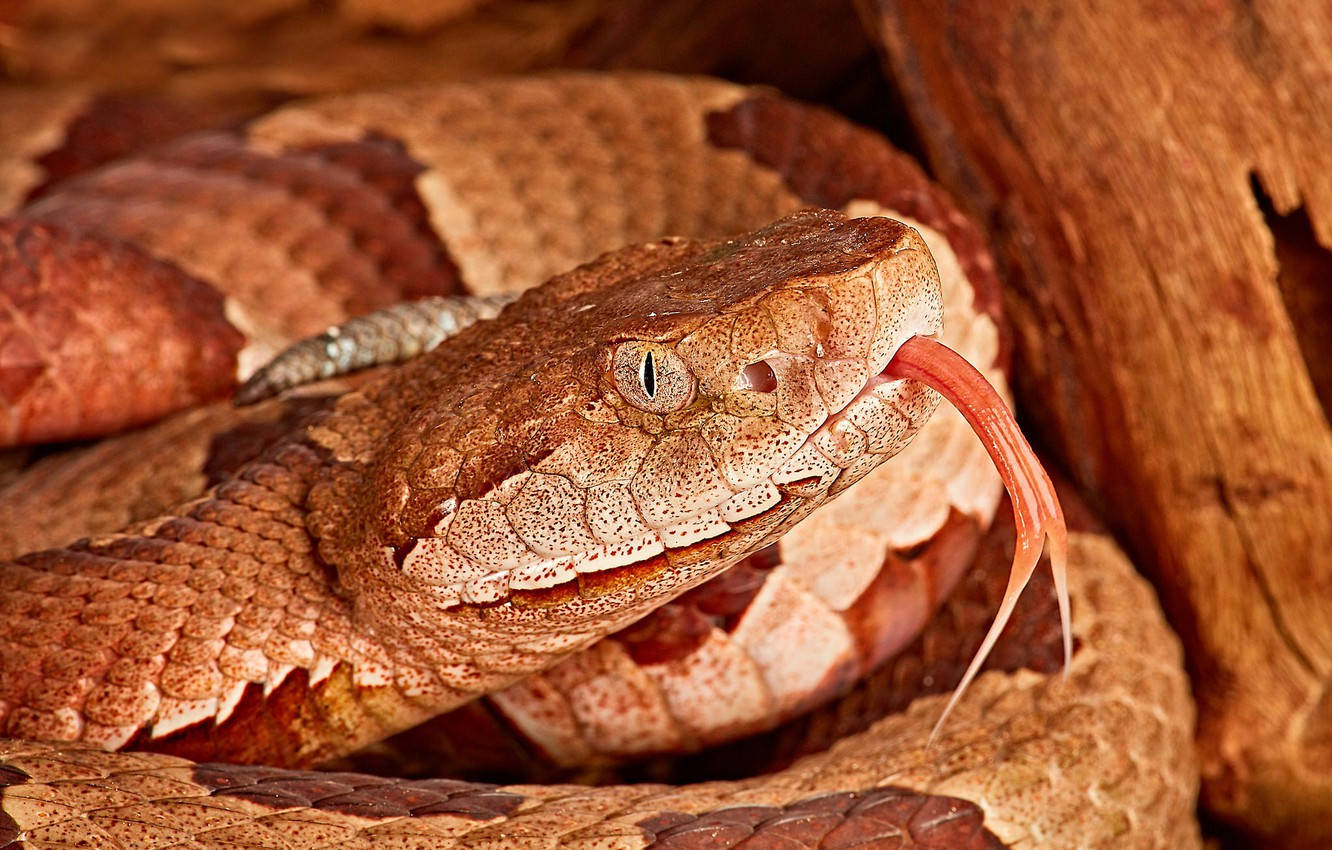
<point>247,395</point>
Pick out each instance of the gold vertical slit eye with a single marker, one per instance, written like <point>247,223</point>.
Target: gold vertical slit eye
<point>652,377</point>
<point>647,375</point>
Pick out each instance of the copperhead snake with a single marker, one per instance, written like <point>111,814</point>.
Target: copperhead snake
<point>604,446</point>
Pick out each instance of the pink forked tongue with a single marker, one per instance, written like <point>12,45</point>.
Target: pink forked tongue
<point>1036,509</point>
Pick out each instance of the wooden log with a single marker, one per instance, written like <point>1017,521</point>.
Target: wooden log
<point>1123,153</point>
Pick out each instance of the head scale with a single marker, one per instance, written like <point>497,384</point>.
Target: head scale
<point>631,428</point>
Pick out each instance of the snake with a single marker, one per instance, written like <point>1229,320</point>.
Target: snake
<point>695,482</point>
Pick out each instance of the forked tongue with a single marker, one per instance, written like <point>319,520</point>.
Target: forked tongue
<point>1036,509</point>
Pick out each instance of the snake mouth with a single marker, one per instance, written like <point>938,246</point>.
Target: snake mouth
<point>876,421</point>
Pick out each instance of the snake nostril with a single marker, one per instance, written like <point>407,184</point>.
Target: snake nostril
<point>758,377</point>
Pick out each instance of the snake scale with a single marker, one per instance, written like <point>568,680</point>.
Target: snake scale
<point>539,511</point>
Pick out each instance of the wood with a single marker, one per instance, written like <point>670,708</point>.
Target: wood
<point>1123,154</point>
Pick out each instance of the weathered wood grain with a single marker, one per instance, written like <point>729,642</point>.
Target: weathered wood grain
<point>1122,154</point>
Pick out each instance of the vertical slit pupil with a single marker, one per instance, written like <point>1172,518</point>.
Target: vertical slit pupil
<point>649,376</point>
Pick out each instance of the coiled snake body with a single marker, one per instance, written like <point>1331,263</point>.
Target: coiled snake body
<point>488,511</point>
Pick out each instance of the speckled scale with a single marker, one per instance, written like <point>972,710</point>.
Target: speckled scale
<point>331,192</point>
<point>171,338</point>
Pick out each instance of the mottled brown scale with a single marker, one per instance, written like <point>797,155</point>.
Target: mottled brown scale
<point>409,261</point>
<point>549,597</point>
<point>354,794</point>
<point>300,239</point>
<point>70,302</point>
<point>896,817</point>
<point>347,228</point>
<point>424,268</point>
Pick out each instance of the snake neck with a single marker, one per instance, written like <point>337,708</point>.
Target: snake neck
<point>215,630</point>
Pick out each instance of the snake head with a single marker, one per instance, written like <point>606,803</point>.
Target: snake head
<point>630,429</point>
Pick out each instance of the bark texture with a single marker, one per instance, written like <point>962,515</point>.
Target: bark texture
<point>1158,180</point>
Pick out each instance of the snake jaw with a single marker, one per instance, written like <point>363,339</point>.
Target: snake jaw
<point>577,485</point>
<point>1036,509</point>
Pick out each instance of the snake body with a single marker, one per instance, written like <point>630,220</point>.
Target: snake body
<point>482,513</point>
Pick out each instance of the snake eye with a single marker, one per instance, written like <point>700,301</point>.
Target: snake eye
<point>652,377</point>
